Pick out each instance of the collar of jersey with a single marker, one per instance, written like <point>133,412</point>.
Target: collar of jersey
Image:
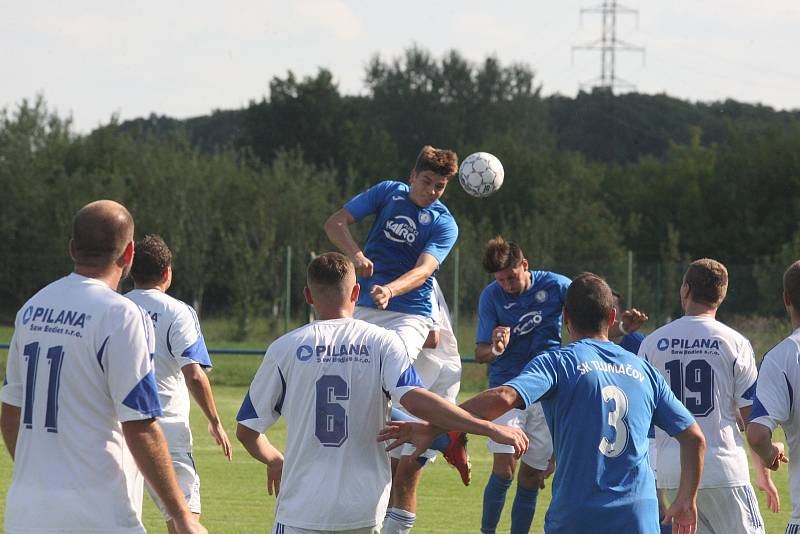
<point>86,280</point>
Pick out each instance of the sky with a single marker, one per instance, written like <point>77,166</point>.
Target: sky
<point>93,59</point>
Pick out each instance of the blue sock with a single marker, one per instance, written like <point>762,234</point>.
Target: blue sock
<point>441,441</point>
<point>523,509</point>
<point>494,496</point>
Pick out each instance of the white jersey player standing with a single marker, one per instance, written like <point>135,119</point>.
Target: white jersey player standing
<point>773,405</point>
<point>331,380</point>
<point>711,368</point>
<point>80,401</point>
<point>181,360</point>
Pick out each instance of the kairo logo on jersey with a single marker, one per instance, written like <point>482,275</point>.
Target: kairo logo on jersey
<point>50,316</point>
<point>304,353</point>
<point>401,229</point>
<point>527,322</point>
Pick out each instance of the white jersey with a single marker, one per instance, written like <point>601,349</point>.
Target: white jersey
<point>331,380</point>
<point>78,365</point>
<point>712,370</point>
<point>778,381</point>
<point>447,349</point>
<point>179,342</point>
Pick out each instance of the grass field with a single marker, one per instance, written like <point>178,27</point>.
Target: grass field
<point>234,494</point>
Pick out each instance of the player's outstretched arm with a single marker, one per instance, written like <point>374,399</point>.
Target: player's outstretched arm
<point>682,514</point>
<point>262,450</point>
<point>760,439</point>
<point>9,425</point>
<point>337,228</point>
<point>443,415</point>
<point>149,448</point>
<point>198,385</point>
<point>408,281</point>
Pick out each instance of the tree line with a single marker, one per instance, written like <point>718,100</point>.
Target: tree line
<point>587,179</point>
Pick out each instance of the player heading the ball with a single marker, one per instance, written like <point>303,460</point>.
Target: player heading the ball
<point>331,380</point>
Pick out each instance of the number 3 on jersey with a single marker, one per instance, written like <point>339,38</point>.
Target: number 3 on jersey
<point>331,421</point>
<point>616,401</point>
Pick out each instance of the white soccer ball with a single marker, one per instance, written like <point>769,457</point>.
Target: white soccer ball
<point>481,174</point>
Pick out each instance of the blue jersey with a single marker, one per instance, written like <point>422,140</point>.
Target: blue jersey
<point>599,401</point>
<point>534,318</point>
<point>402,231</point>
<point>631,342</point>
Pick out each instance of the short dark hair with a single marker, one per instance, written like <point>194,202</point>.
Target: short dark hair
<point>589,303</point>
<point>707,280</point>
<point>100,232</point>
<point>501,254</point>
<point>437,160</point>
<point>791,284</point>
<point>328,273</point>
<point>151,258</point>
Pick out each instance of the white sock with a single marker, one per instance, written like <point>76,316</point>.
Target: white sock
<point>398,521</point>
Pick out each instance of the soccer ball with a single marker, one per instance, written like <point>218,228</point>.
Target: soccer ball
<point>481,174</point>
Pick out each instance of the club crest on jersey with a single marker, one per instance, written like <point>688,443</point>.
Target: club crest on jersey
<point>425,218</point>
<point>51,316</point>
<point>540,296</point>
<point>401,229</point>
<point>304,353</point>
<point>527,323</point>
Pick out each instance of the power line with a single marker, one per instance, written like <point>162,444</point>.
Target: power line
<point>608,45</point>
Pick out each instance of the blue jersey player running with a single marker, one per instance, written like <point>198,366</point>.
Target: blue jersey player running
<point>599,401</point>
<point>519,316</point>
<point>411,235</point>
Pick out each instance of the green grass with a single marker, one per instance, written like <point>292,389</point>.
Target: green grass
<point>235,498</point>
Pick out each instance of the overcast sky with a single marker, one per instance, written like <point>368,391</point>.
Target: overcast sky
<point>94,58</point>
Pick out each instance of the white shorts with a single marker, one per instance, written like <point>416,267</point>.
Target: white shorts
<point>726,510</point>
<point>533,423</point>
<point>442,377</point>
<point>278,528</point>
<point>412,329</point>
<point>188,481</point>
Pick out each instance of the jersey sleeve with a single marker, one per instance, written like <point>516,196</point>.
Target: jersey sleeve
<point>487,318</point>
<point>773,399</point>
<point>670,415</point>
<point>127,356</point>
<point>398,376</point>
<point>263,404</point>
<point>745,373</point>
<point>12,383</point>
<point>442,239</point>
<point>563,284</point>
<point>370,201</point>
<point>185,339</point>
<point>538,379</point>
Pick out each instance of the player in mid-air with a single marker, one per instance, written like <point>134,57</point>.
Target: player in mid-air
<point>711,368</point>
<point>331,381</point>
<point>773,405</point>
<point>412,234</point>
<point>181,361</point>
<point>519,316</point>
<point>600,401</point>
<point>80,400</point>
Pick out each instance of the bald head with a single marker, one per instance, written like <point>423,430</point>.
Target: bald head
<point>100,232</point>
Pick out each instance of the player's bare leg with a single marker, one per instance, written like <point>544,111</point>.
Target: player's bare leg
<point>402,510</point>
